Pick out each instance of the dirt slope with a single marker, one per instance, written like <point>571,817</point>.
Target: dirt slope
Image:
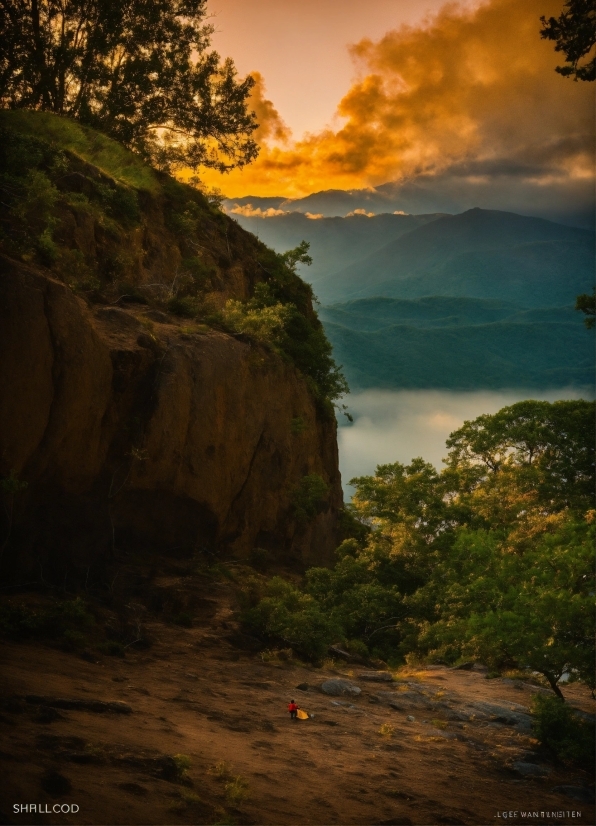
<point>196,693</point>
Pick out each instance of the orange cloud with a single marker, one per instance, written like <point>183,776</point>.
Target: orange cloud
<point>271,126</point>
<point>474,89</point>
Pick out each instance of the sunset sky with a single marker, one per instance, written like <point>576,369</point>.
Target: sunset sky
<point>351,95</point>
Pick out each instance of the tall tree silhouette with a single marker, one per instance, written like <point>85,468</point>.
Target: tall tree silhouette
<point>574,32</point>
<point>140,70</point>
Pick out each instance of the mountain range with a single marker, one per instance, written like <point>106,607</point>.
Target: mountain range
<point>483,299</point>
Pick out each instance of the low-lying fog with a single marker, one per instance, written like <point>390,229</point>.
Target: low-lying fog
<point>398,425</point>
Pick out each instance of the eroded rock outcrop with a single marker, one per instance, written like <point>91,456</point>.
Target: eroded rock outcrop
<point>135,432</point>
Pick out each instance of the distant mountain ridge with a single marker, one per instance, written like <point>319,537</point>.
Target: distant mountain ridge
<point>481,254</point>
<point>424,194</point>
<point>483,299</point>
<point>335,242</point>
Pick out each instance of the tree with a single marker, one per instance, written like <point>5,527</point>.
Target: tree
<point>574,32</point>
<point>586,304</point>
<point>139,70</point>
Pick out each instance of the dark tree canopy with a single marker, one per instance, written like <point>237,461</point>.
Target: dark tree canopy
<point>586,304</point>
<point>574,32</point>
<point>139,70</point>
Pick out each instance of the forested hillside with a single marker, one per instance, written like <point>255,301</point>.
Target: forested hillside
<point>458,343</point>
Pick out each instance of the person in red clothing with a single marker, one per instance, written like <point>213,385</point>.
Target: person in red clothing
<point>292,708</point>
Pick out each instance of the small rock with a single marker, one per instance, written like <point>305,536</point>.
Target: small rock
<point>302,687</point>
<point>157,315</point>
<point>396,821</point>
<point>55,784</point>
<point>337,687</point>
<point>410,719</point>
<point>48,715</point>
<point>464,666</point>
<point>530,769</point>
<point>579,793</point>
<point>376,676</point>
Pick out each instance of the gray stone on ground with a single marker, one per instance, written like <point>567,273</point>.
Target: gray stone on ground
<point>376,676</point>
<point>410,719</point>
<point>337,687</point>
<point>579,793</point>
<point>530,769</point>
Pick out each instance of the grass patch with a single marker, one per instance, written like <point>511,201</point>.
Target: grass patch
<point>221,770</point>
<point>236,790</point>
<point>387,730</point>
<point>106,154</point>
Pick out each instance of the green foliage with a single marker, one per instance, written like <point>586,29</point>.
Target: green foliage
<point>112,648</point>
<point>296,618</point>
<point>12,485</point>
<point>559,729</point>
<point>109,156</point>
<point>309,497</point>
<point>139,72</point>
<point>491,559</point>
<point>183,762</point>
<point>21,621</point>
<point>586,304</point>
<point>574,32</point>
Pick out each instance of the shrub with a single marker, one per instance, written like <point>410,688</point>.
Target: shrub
<point>183,763</point>
<point>236,790</point>
<point>20,621</point>
<point>112,648</point>
<point>560,730</point>
<point>288,614</point>
<point>387,730</point>
<point>309,497</point>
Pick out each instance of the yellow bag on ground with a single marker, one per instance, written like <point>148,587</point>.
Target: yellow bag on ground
<point>302,715</point>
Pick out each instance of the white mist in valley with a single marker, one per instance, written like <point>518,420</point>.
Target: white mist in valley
<point>398,425</point>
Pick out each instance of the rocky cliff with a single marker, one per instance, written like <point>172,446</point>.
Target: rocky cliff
<point>132,415</point>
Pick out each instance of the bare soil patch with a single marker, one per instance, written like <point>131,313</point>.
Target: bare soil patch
<point>195,693</point>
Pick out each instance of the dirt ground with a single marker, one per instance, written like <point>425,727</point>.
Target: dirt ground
<point>196,693</point>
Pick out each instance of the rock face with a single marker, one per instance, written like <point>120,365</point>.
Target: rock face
<point>131,433</point>
<point>338,687</point>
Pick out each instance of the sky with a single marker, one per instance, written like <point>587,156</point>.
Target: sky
<point>353,95</point>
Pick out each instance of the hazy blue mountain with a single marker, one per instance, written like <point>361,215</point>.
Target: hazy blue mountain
<point>483,299</point>
<point>458,343</point>
<point>335,243</point>
<point>480,254</point>
<point>465,186</point>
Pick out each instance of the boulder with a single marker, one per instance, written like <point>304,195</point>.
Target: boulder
<point>579,793</point>
<point>337,687</point>
<point>530,769</point>
<point>376,676</point>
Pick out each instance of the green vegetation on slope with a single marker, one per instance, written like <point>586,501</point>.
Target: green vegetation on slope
<point>113,229</point>
<point>458,343</point>
<point>492,558</point>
